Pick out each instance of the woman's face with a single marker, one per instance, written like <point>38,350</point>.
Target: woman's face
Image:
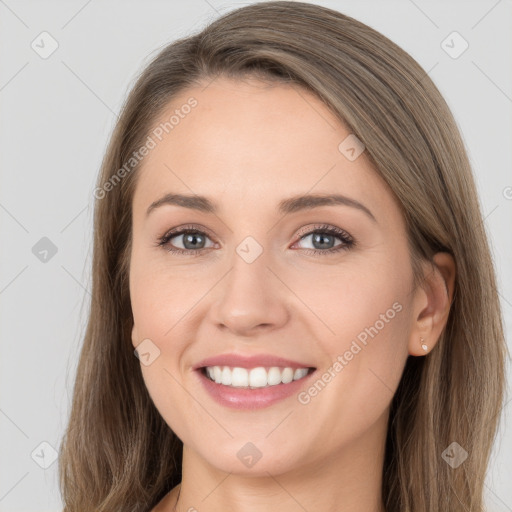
<point>255,281</point>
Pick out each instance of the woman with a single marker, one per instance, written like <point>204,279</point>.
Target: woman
<point>294,300</point>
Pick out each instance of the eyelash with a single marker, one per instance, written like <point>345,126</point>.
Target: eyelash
<point>347,241</point>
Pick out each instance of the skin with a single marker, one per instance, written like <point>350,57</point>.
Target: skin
<point>248,145</point>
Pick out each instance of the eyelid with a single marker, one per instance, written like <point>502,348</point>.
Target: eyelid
<point>188,227</point>
<point>308,230</point>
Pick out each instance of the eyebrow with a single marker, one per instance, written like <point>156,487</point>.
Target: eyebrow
<point>286,206</point>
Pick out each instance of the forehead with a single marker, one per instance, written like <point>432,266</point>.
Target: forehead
<point>251,143</point>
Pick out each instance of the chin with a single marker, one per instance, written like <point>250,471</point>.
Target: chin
<point>251,458</point>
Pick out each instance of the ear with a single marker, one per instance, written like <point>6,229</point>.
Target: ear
<point>432,302</point>
<point>135,336</point>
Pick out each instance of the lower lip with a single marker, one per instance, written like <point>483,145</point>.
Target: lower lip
<point>257,398</point>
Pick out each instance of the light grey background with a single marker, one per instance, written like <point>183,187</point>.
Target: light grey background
<point>56,116</point>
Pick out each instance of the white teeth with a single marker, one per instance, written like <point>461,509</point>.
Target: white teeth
<point>274,376</point>
<point>239,377</point>
<point>287,375</point>
<point>299,373</point>
<point>226,377</point>
<point>259,377</point>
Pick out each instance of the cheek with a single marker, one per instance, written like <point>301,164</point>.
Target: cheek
<point>160,298</point>
<point>362,301</point>
<point>160,313</point>
<point>368,319</point>
<point>372,317</point>
<point>363,368</point>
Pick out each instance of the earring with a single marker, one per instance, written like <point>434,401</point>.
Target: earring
<point>423,346</point>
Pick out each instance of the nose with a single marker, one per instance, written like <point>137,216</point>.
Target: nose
<point>250,299</point>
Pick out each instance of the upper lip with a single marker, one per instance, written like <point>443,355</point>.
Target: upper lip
<point>253,361</point>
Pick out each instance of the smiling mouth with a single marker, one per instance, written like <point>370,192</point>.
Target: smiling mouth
<point>254,378</point>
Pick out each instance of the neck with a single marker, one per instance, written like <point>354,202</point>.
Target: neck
<point>348,480</point>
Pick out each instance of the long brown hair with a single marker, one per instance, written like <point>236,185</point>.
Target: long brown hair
<point>117,452</point>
